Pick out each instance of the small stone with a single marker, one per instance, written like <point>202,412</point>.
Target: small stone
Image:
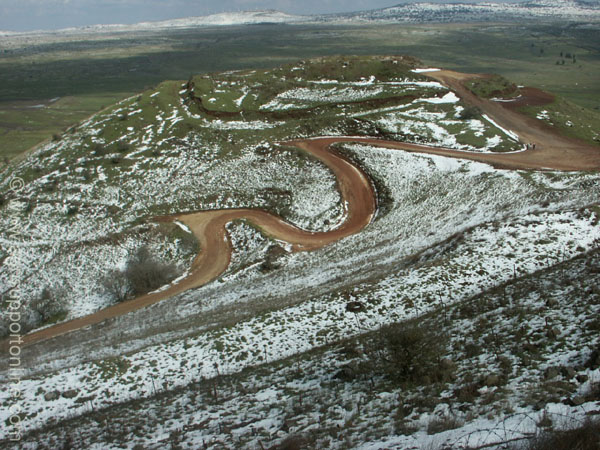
<point>551,372</point>
<point>355,307</point>
<point>346,373</point>
<point>492,380</point>
<point>71,393</point>
<point>577,400</point>
<point>582,378</point>
<point>567,372</point>
<point>594,361</point>
<point>553,333</point>
<point>52,395</point>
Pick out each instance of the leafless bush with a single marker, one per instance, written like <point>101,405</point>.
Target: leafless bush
<point>116,286</point>
<point>445,423</point>
<point>142,274</point>
<point>50,305</point>
<point>407,353</point>
<point>145,274</point>
<point>585,436</point>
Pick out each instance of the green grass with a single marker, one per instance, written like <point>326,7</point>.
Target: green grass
<point>248,91</point>
<point>23,125</point>
<point>90,74</point>
<point>494,86</point>
<point>569,119</point>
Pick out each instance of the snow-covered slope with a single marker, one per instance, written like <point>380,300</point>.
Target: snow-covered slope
<point>473,12</point>
<point>223,19</point>
<point>563,10</point>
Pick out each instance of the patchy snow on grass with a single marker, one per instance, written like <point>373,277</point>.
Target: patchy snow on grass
<point>446,230</point>
<point>423,188</point>
<point>510,134</point>
<point>543,115</point>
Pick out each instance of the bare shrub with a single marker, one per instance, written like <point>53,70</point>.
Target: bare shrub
<point>142,274</point>
<point>145,274</point>
<point>584,436</point>
<point>445,423</point>
<point>407,353</point>
<point>50,306</point>
<point>115,284</point>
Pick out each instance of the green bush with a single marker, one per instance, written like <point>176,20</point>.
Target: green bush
<point>470,112</point>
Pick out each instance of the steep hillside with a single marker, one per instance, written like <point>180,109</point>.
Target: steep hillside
<point>457,243</point>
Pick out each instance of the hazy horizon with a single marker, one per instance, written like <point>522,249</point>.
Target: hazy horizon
<point>29,15</point>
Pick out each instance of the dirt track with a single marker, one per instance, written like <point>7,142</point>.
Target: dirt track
<point>552,151</point>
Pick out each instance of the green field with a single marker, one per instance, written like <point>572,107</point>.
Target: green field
<point>90,73</point>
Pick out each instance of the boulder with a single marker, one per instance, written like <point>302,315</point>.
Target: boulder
<point>71,393</point>
<point>50,396</point>
<point>551,372</point>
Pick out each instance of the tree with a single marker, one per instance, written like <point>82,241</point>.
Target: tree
<point>145,274</point>
<point>50,305</point>
<point>116,286</point>
<point>142,274</point>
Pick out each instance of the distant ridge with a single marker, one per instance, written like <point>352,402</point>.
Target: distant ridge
<point>221,19</point>
<point>563,10</point>
<point>425,12</point>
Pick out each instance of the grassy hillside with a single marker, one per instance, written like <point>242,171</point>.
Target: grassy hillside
<point>92,72</point>
<point>569,118</point>
<point>494,268</point>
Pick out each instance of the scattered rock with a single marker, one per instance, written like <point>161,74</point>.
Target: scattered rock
<point>567,372</point>
<point>551,303</point>
<point>582,378</point>
<point>71,393</point>
<point>594,360</point>
<point>553,333</point>
<point>346,373</point>
<point>355,307</point>
<point>492,380</point>
<point>575,400</point>
<point>292,442</point>
<point>52,395</point>
<point>551,372</point>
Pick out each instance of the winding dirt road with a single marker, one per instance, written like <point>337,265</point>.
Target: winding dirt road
<point>552,151</point>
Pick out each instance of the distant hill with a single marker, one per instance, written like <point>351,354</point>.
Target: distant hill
<point>475,12</point>
<point>426,12</point>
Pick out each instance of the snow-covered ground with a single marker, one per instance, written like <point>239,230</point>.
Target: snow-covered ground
<point>485,256</point>
<point>419,12</point>
<point>94,189</point>
<point>447,230</point>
